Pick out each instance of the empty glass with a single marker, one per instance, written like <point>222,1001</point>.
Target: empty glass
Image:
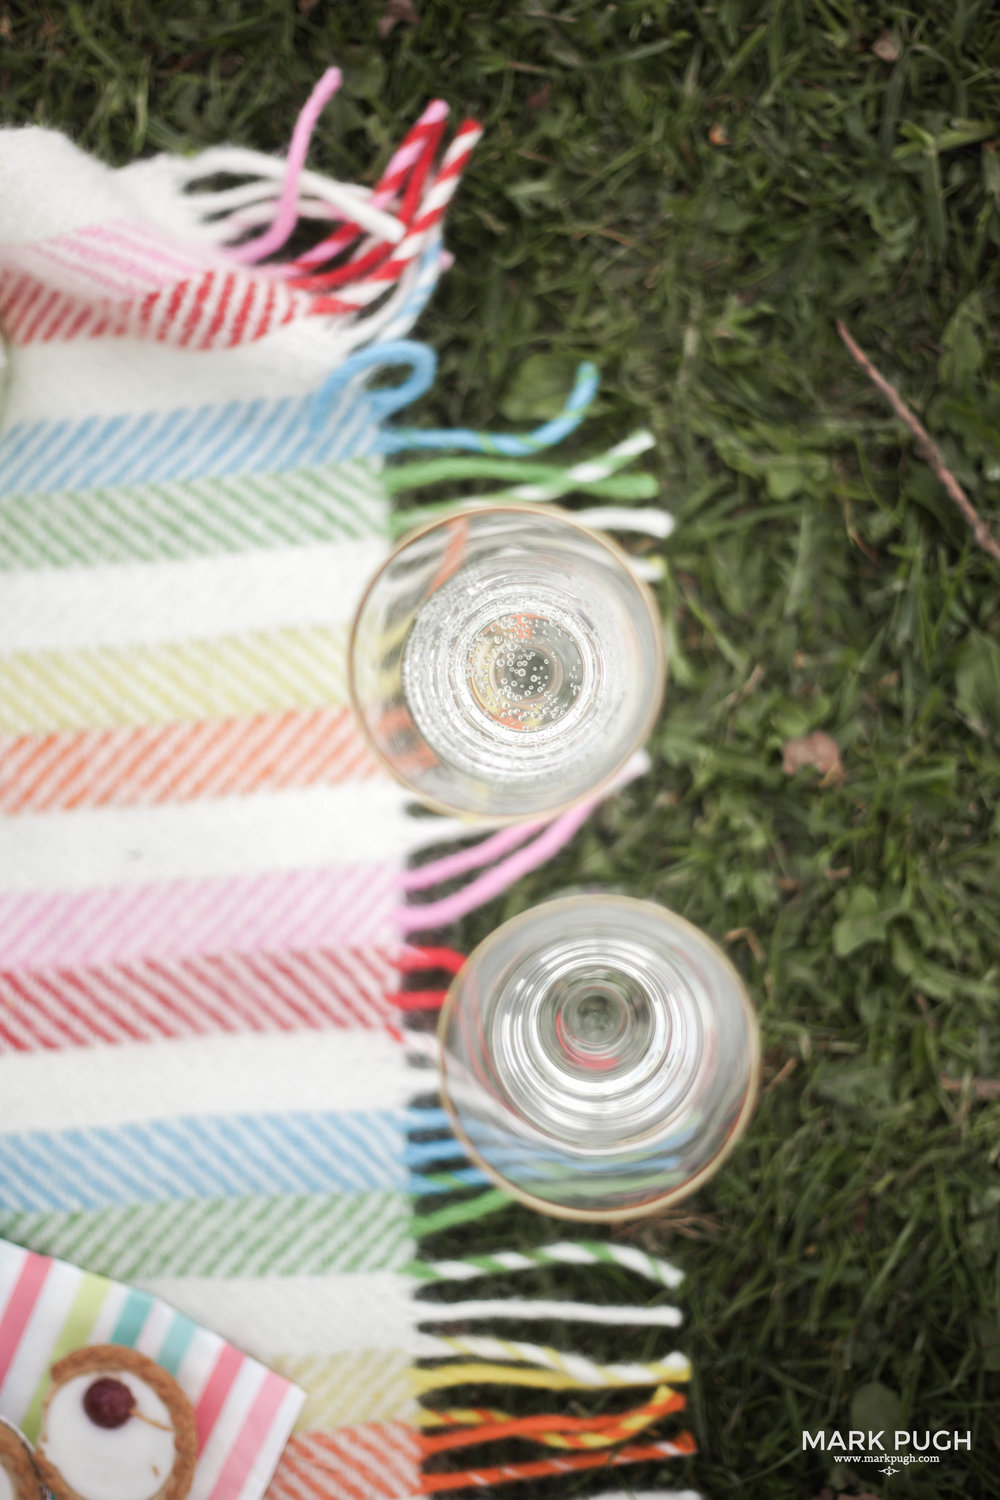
<point>505,662</point>
<point>599,1057</point>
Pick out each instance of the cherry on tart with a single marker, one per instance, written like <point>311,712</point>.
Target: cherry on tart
<point>108,1402</point>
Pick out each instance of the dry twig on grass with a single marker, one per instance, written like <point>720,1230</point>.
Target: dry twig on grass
<point>927,446</point>
<point>979,1088</point>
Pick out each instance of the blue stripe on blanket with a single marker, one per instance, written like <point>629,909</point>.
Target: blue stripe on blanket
<point>241,436</point>
<point>218,1157</point>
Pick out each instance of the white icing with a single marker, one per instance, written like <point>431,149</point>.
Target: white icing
<point>131,1462</point>
<point>7,1490</point>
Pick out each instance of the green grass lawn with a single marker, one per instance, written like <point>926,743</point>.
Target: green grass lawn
<point>691,196</point>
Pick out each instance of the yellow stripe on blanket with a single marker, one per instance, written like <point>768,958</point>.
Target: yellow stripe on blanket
<point>194,681</point>
<point>344,1390</point>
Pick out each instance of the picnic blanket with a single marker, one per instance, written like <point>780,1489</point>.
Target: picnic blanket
<point>214,1084</point>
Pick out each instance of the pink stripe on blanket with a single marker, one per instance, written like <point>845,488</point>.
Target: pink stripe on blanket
<point>298,909</point>
<point>117,259</point>
<point>111,274</point>
<point>299,990</point>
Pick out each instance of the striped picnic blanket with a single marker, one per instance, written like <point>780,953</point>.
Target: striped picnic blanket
<point>209,1089</point>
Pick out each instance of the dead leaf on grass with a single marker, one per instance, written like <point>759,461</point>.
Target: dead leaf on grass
<point>652,1235</point>
<point>817,749</point>
<point>752,942</point>
<point>886,46</point>
<point>718,135</point>
<point>538,102</point>
<point>784,1072</point>
<point>396,13</point>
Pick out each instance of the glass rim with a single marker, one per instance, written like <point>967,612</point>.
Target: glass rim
<point>643,591</point>
<point>674,1195</point>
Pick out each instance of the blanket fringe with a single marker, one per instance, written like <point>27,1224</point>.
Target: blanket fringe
<point>462,1359</point>
<point>683,1446</point>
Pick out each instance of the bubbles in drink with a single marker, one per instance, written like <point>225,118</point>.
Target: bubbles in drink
<point>524,671</point>
<point>505,662</point>
<point>509,678</point>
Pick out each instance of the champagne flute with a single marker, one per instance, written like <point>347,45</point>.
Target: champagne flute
<point>599,1057</point>
<point>505,662</point>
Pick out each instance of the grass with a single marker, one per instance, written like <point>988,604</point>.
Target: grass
<point>690,196</point>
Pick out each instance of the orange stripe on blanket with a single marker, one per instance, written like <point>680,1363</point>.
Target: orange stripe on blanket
<point>182,762</point>
<point>376,1461</point>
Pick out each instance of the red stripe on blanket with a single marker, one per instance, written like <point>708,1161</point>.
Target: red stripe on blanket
<point>33,311</point>
<point>192,321</point>
<point>311,990</point>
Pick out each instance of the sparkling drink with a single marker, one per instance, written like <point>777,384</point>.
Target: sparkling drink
<point>599,1057</point>
<point>506,662</point>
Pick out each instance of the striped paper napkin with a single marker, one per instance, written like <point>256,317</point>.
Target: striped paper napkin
<point>244,1413</point>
